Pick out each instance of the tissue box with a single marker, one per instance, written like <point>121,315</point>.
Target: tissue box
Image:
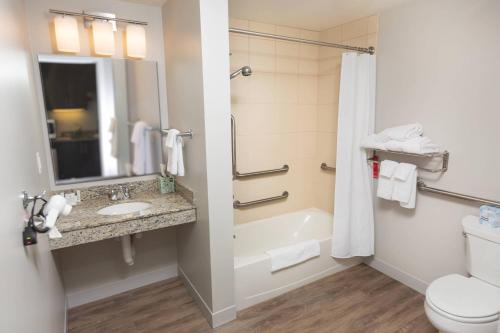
<point>490,216</point>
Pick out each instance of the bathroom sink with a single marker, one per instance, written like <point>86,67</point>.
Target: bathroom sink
<point>124,208</point>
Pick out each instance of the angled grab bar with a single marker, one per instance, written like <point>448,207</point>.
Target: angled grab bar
<point>237,204</point>
<point>421,186</point>
<point>239,175</point>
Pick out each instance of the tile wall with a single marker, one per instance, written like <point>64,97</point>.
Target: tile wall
<point>286,113</point>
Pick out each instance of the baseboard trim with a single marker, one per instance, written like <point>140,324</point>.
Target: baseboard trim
<point>397,274</point>
<point>117,287</point>
<point>215,319</point>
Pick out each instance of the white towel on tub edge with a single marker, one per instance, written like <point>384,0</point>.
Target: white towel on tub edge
<point>287,256</point>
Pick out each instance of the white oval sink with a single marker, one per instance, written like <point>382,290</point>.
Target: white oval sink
<point>124,208</point>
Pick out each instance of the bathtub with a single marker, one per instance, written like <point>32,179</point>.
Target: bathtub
<point>254,282</point>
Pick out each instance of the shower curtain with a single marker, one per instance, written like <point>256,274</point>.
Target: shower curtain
<point>353,228</point>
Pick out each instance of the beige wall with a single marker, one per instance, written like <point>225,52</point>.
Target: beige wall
<point>286,113</point>
<point>196,48</point>
<point>96,271</point>
<point>438,64</point>
<point>32,295</point>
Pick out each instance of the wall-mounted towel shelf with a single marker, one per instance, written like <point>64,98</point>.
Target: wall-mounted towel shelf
<point>240,175</point>
<point>421,186</point>
<point>445,156</point>
<point>237,204</point>
<point>326,167</point>
<point>187,134</point>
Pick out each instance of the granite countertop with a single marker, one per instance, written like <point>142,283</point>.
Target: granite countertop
<point>84,215</point>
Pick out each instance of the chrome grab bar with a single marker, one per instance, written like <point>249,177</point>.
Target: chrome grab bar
<point>237,204</point>
<point>283,169</point>
<point>421,186</point>
<point>239,175</point>
<point>325,166</point>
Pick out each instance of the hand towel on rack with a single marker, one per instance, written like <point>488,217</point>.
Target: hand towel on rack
<point>386,180</point>
<point>287,256</point>
<point>143,161</point>
<point>174,143</point>
<point>405,185</point>
<point>113,130</point>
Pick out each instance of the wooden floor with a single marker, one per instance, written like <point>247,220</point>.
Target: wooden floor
<point>356,300</point>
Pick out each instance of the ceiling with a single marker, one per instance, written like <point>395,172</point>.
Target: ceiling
<point>308,14</point>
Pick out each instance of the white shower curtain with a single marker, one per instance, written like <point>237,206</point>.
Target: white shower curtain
<point>353,228</point>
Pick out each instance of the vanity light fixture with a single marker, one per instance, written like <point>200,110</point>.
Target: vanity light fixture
<point>67,36</point>
<point>136,41</point>
<point>104,38</point>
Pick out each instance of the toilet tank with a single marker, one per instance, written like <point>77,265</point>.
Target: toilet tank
<point>483,250</point>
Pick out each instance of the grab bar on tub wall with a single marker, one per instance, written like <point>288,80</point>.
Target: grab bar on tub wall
<point>237,204</point>
<point>325,166</point>
<point>239,175</point>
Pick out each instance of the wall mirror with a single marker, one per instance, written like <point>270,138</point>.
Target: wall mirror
<point>102,117</point>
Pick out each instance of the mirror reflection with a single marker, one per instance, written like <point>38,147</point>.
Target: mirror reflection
<point>103,117</point>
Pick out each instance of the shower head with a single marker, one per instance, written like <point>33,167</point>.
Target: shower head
<point>245,71</point>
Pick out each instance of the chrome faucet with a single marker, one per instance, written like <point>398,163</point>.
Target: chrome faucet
<point>122,193</point>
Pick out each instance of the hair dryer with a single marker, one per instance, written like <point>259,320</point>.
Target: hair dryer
<point>56,205</point>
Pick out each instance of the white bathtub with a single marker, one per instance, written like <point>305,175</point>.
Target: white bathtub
<point>254,281</point>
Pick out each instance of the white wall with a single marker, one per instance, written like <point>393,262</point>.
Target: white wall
<point>439,64</point>
<point>32,295</point>
<point>84,271</point>
<point>197,53</point>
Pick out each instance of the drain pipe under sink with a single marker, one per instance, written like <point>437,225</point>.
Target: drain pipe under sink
<point>128,249</point>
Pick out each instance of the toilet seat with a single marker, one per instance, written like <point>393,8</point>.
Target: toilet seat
<point>466,300</point>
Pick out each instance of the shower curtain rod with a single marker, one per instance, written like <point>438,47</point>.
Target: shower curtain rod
<point>369,50</point>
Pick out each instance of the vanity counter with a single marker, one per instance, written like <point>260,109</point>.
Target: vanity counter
<point>85,225</point>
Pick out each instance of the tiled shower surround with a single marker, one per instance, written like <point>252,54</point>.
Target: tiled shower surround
<point>286,113</point>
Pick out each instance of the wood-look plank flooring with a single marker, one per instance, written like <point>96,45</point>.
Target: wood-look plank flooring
<point>359,299</point>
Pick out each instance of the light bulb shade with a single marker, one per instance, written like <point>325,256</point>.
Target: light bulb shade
<point>104,38</point>
<point>136,41</point>
<point>66,31</point>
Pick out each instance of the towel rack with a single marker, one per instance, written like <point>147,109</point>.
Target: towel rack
<point>325,166</point>
<point>421,186</point>
<point>445,156</point>
<point>188,134</point>
<point>239,175</point>
<point>237,204</point>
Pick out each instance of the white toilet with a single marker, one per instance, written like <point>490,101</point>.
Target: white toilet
<point>458,304</point>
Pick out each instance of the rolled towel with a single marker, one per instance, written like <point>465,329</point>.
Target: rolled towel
<point>418,145</point>
<point>401,133</point>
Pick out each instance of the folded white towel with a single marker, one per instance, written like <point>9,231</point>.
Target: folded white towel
<point>291,255</point>
<point>401,133</point>
<point>405,190</point>
<point>418,145</point>
<point>175,156</point>
<point>386,179</point>
<point>403,171</point>
<point>143,157</point>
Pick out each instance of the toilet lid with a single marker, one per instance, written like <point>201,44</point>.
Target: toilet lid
<point>464,297</point>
